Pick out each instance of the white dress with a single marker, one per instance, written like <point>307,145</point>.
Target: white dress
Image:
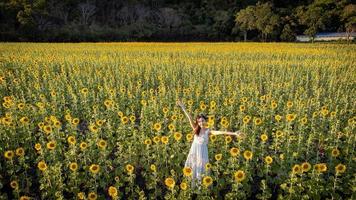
<point>198,157</point>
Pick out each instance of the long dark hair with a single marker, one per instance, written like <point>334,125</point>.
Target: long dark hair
<point>197,128</point>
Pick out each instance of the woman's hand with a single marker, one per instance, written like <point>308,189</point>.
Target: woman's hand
<point>240,134</point>
<point>180,103</point>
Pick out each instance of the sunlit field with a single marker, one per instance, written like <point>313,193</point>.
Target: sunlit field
<point>100,120</point>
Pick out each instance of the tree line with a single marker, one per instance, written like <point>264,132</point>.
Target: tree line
<point>172,20</point>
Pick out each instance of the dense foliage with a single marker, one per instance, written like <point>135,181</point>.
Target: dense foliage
<point>172,20</point>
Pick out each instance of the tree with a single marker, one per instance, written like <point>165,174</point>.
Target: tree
<point>348,16</point>
<point>87,10</point>
<point>246,20</point>
<point>287,33</point>
<point>315,16</point>
<point>266,19</point>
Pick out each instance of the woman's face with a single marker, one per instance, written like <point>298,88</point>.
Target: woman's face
<point>201,122</point>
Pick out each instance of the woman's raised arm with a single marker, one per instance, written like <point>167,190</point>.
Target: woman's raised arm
<point>237,133</point>
<point>186,113</point>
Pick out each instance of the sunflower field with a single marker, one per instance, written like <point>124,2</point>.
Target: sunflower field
<point>100,120</point>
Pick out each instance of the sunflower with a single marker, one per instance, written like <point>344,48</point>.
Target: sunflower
<point>92,196</point>
<point>187,171</point>
<point>132,118</point>
<point>279,133</point>
<point>57,124</point>
<point>333,114</point>
<point>202,106</point>
<point>306,167</point>
<point>224,123</point>
<point>94,168</point>
<point>99,122</point>
<point>268,160</point>
<point>124,119</point>
<point>73,166</point>
<point>218,156</point>
<point>171,127</point>
<point>164,139</point>
<point>24,120</point>
<point>324,112</point>
<point>7,120</point>
<point>21,106</point>
<point>153,167</point>
<point>38,146</point>
<point>53,93</point>
<point>117,178</point>
<point>156,139</point>
<point>81,195</point>
<point>304,120</point>
<point>340,168</point>
<point>290,117</point>
<point>246,119</point>
<point>93,128</point>
<point>296,169</point>
<point>242,108</point>
<point>278,118</point>
<point>189,137</point>
<point>6,105</point>
<point>228,139</point>
<point>165,110</point>
<point>47,129</point>
<point>264,137</point>
<point>248,155</point>
<point>212,108</point>
<point>239,176</point>
<point>207,166</point>
<point>51,145</point>
<point>42,166</point>
<point>258,121</point>
<point>14,185</point>
<point>157,126</point>
<point>212,137</point>
<point>207,181</point>
<point>75,121</point>
<point>112,91</point>
<point>68,117</point>
<point>234,151</point>
<point>315,114</point>
<point>169,182</point>
<point>108,103</point>
<point>335,152</point>
<point>130,168</point>
<point>83,145</point>
<point>148,141</point>
<point>20,151</point>
<point>84,91</point>
<point>212,103</point>
<point>143,102</point>
<point>112,191</point>
<point>102,144</point>
<point>71,140</point>
<point>24,198</point>
<point>177,136</point>
<point>321,167</point>
<point>174,117</point>
<point>274,105</point>
<point>289,104</point>
<point>183,186</point>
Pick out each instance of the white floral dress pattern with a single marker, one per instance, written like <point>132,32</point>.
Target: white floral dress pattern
<point>198,156</point>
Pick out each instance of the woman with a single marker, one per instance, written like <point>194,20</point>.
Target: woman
<point>198,153</point>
